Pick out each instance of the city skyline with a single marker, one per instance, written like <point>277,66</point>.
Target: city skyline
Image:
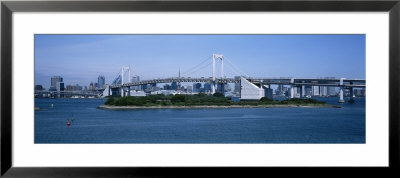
<point>81,59</point>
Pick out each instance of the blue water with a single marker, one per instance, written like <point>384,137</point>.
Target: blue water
<point>235,125</point>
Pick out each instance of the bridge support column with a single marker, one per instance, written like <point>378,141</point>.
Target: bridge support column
<point>122,91</point>
<point>341,93</point>
<point>292,87</point>
<point>302,90</point>
<point>351,93</point>
<point>129,91</point>
<point>292,91</point>
<point>213,87</point>
<point>351,100</point>
<point>341,100</point>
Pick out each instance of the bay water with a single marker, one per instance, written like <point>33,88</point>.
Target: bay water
<point>88,124</point>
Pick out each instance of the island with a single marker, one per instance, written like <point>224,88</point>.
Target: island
<point>217,100</point>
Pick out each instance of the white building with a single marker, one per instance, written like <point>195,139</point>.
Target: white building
<point>315,90</point>
<point>323,91</point>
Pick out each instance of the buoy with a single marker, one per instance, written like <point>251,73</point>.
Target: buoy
<point>72,118</point>
<point>68,124</point>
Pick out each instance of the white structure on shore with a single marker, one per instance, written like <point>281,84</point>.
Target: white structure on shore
<point>106,91</point>
<point>250,91</point>
<point>137,93</point>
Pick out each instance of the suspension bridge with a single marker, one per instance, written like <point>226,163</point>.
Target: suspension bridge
<point>249,88</point>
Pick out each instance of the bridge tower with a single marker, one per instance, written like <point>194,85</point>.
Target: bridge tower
<point>215,57</point>
<point>124,70</point>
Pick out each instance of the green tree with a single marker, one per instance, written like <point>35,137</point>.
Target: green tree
<point>265,99</point>
<point>218,94</point>
<point>178,98</point>
<point>110,101</point>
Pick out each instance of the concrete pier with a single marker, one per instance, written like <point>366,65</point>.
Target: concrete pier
<point>341,93</point>
<point>292,91</point>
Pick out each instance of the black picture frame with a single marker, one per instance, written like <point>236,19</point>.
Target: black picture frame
<point>8,7</point>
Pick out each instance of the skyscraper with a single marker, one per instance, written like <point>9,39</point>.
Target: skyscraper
<point>54,81</point>
<point>174,86</point>
<point>60,86</point>
<point>101,81</point>
<point>135,78</point>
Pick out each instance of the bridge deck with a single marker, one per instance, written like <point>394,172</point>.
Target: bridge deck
<point>357,83</point>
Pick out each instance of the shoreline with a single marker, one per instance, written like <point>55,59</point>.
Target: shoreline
<point>214,107</point>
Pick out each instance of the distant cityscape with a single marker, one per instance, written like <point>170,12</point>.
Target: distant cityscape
<point>58,88</point>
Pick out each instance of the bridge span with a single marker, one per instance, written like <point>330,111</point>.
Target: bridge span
<point>355,83</point>
<point>250,88</point>
<point>258,83</point>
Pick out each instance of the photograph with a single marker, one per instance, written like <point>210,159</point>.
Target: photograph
<point>199,89</point>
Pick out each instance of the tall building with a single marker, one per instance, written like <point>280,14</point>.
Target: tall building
<point>220,88</point>
<point>196,87</point>
<point>323,91</point>
<point>91,86</point>
<point>54,81</point>
<point>174,86</point>
<point>268,92</point>
<point>167,87</point>
<point>315,90</point>
<point>60,86</point>
<point>207,87</point>
<point>101,81</point>
<point>135,78</point>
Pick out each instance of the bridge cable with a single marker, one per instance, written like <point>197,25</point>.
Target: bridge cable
<point>192,72</point>
<point>235,66</point>
<point>198,65</point>
<point>235,72</point>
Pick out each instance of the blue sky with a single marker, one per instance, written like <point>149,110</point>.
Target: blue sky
<point>80,59</point>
